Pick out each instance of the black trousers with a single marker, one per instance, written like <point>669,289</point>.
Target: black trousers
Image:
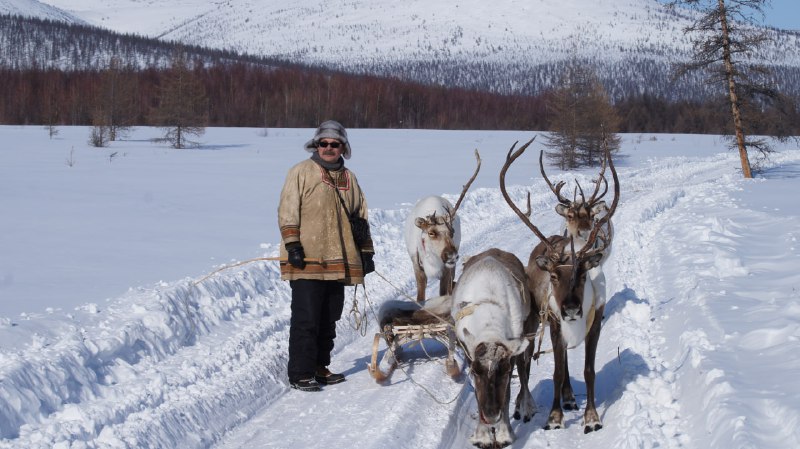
<point>316,307</point>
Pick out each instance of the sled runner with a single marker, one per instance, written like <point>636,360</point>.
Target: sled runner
<point>404,322</point>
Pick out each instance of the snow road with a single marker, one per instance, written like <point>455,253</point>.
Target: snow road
<point>189,364</point>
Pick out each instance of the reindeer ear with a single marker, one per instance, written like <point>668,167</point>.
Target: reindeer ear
<point>561,210</point>
<point>518,346</point>
<point>544,263</point>
<point>468,339</point>
<point>421,223</point>
<point>592,261</point>
<point>599,207</point>
<point>480,350</point>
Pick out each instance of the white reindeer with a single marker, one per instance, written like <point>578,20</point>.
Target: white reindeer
<point>433,235</point>
<point>492,316</point>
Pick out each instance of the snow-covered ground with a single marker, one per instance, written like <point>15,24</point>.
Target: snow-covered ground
<point>109,338</point>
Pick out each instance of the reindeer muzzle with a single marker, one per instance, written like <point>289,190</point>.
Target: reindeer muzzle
<point>571,313</point>
<point>450,258</point>
<point>489,421</point>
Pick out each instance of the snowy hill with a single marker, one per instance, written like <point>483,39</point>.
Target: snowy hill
<point>505,45</point>
<point>34,8</point>
<point>699,341</point>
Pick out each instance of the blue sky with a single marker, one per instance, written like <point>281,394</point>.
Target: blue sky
<point>784,14</point>
<point>780,13</point>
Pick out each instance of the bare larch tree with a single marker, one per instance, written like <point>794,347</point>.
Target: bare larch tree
<point>183,105</point>
<point>580,113</point>
<point>727,37</point>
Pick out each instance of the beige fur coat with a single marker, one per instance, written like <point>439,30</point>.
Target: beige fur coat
<point>310,212</point>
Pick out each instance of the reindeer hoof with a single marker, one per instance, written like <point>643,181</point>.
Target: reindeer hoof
<point>555,420</point>
<point>592,428</point>
<point>518,415</point>
<point>570,405</point>
<point>452,368</point>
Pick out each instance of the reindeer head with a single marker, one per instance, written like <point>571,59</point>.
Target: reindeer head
<point>567,276</point>
<point>436,247</point>
<point>491,367</point>
<point>580,214</point>
<point>566,268</point>
<point>438,235</point>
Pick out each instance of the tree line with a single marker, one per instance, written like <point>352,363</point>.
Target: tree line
<point>253,95</point>
<point>245,94</point>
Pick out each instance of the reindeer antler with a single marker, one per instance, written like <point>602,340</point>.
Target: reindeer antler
<point>594,199</point>
<point>599,223</point>
<point>558,187</point>
<point>469,183</point>
<point>601,178</point>
<point>510,158</point>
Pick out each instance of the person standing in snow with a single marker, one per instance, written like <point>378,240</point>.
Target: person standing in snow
<point>319,255</point>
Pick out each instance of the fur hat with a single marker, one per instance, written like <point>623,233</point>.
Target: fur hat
<point>330,129</point>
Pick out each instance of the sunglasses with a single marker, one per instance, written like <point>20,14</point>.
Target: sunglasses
<point>328,144</point>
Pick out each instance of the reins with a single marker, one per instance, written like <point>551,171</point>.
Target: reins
<point>257,259</point>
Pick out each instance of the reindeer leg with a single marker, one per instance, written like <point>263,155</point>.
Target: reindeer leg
<point>525,408</point>
<point>525,402</point>
<point>503,434</point>
<point>446,281</point>
<point>451,365</point>
<point>556,418</point>
<point>591,420</point>
<point>422,283</point>
<point>567,394</point>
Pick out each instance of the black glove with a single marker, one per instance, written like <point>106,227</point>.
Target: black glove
<point>368,263</point>
<point>296,255</point>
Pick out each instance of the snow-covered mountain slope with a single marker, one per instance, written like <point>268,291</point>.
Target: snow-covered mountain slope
<point>490,45</point>
<point>35,8</point>
<point>144,17</point>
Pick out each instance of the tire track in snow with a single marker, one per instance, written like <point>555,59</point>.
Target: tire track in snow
<point>195,365</point>
<point>635,392</point>
<point>401,405</point>
<point>167,376</point>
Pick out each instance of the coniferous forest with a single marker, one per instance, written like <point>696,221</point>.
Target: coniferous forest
<point>92,69</point>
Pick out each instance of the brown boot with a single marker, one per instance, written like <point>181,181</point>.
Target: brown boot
<point>325,377</point>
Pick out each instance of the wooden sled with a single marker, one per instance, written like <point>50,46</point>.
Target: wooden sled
<point>404,322</point>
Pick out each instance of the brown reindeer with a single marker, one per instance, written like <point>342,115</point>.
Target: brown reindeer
<point>579,213</point>
<point>571,306</point>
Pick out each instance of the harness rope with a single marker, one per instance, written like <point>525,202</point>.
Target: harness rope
<point>226,267</point>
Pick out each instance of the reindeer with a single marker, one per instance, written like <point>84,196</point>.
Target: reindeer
<point>573,308</point>
<point>580,214</point>
<point>491,311</point>
<point>433,235</point>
